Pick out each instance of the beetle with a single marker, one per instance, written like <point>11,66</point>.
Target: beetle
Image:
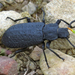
<point>33,33</point>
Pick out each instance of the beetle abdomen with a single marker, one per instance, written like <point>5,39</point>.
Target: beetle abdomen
<point>23,35</point>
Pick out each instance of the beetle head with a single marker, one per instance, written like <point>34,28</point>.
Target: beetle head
<point>63,33</point>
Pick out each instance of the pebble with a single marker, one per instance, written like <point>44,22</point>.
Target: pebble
<point>30,7</point>
<point>1,6</point>
<point>69,52</point>
<point>36,53</point>
<point>31,73</point>
<point>71,0</point>
<point>9,1</point>
<point>32,66</point>
<point>19,1</point>
<point>73,51</point>
<point>19,63</point>
<point>8,66</point>
<point>39,71</point>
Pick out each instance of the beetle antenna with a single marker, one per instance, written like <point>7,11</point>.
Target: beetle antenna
<point>71,23</point>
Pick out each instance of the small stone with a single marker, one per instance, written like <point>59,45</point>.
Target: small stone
<point>19,1</point>
<point>64,51</point>
<point>31,73</point>
<point>4,51</point>
<point>31,47</point>
<point>21,69</point>
<point>69,52</point>
<point>49,0</point>
<point>1,6</point>
<point>30,7</point>
<point>39,71</point>
<point>32,66</point>
<point>19,63</point>
<point>36,53</point>
<point>73,51</point>
<point>8,66</point>
<point>25,2</point>
<point>57,65</point>
<point>71,0</point>
<point>9,1</point>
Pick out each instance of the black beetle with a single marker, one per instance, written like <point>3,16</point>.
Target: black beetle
<point>27,34</point>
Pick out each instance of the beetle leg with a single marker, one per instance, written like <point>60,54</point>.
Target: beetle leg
<point>43,47</point>
<point>43,13</point>
<point>70,42</point>
<point>59,21</point>
<point>18,51</point>
<point>28,19</point>
<point>48,45</point>
<point>43,20</point>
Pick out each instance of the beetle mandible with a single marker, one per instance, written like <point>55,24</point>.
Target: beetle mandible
<point>33,33</point>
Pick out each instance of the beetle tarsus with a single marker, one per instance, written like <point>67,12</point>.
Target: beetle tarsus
<point>62,58</point>
<point>13,55</point>
<point>43,46</point>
